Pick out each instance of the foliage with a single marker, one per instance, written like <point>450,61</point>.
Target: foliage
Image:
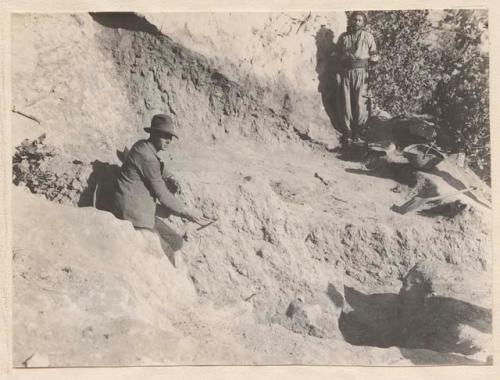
<point>437,69</point>
<point>404,78</point>
<point>461,99</point>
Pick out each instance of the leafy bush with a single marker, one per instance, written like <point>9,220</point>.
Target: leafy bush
<point>404,78</point>
<point>441,70</point>
<point>461,100</point>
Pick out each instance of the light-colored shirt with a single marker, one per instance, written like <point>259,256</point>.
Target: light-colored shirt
<point>360,44</point>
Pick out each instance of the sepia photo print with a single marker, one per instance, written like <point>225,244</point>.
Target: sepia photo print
<point>251,188</point>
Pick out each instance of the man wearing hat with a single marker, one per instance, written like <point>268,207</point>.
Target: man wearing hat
<point>141,183</point>
<point>355,49</point>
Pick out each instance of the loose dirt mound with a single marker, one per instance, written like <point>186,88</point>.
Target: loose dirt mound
<point>90,291</point>
<point>302,238</point>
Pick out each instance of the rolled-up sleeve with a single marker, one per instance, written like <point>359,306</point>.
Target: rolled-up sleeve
<point>372,46</point>
<point>152,175</point>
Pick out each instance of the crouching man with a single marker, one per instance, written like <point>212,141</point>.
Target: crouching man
<point>141,192</point>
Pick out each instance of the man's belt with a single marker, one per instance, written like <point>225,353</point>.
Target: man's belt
<point>356,64</point>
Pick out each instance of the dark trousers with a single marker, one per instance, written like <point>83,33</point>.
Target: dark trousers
<point>168,236</point>
<point>170,240</point>
<point>352,100</point>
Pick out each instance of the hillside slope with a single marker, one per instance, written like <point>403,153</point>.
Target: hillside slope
<point>90,291</point>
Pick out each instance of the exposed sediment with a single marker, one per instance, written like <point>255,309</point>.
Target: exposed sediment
<point>306,251</point>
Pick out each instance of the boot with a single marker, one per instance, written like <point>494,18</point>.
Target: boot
<point>346,140</point>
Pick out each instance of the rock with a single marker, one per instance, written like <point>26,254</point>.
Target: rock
<point>445,308</point>
<point>381,114</point>
<point>402,131</point>
<point>304,317</point>
<point>422,128</point>
<point>37,360</point>
<point>315,319</point>
<point>24,165</point>
<point>431,278</point>
<point>294,307</point>
<point>76,184</point>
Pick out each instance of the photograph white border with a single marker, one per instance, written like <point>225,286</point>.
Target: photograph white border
<point>8,7</point>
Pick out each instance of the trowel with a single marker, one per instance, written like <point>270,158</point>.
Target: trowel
<point>202,226</point>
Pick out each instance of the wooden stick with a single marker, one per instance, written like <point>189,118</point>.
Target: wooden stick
<point>205,225</point>
<point>26,115</point>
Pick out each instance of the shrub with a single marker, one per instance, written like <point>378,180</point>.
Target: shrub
<point>439,70</point>
<point>404,78</point>
<point>461,100</point>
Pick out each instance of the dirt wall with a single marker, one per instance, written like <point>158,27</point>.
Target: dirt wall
<point>298,225</point>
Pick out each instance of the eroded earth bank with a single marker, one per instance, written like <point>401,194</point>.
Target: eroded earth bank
<point>307,263</point>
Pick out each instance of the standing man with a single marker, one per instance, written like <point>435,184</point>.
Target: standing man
<point>355,48</point>
<point>141,184</point>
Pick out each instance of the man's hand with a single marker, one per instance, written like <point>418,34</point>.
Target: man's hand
<point>374,58</point>
<point>197,217</point>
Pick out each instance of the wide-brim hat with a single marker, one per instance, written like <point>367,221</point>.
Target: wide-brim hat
<point>163,124</point>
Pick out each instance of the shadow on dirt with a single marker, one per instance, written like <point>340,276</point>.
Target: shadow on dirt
<point>399,172</point>
<point>335,296</point>
<point>422,357</point>
<point>326,69</point>
<point>351,154</point>
<point>170,240</point>
<point>373,320</point>
<point>124,20</point>
<point>449,210</point>
<point>438,324</point>
<point>457,184</point>
<point>100,186</point>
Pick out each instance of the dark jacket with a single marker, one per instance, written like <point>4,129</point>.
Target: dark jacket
<point>140,184</point>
